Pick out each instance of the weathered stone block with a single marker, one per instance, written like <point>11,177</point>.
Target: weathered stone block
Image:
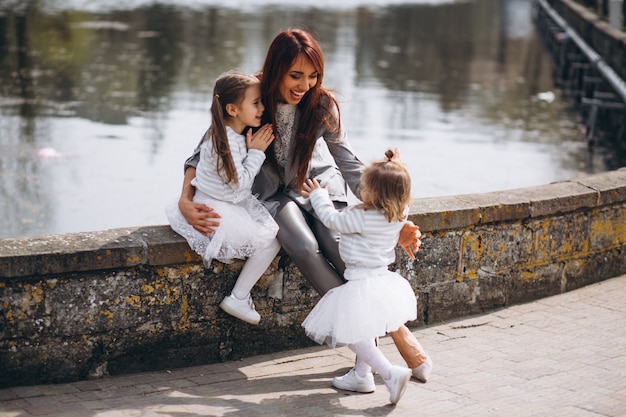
<point>165,247</point>
<point>610,185</point>
<point>499,206</point>
<point>525,285</point>
<point>443,213</point>
<point>559,197</point>
<point>589,269</point>
<point>489,250</point>
<point>436,262</point>
<point>607,228</point>
<point>71,252</point>
<point>561,237</point>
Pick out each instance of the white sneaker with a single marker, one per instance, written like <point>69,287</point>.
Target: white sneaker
<point>422,372</point>
<point>353,382</point>
<point>397,382</point>
<point>242,309</point>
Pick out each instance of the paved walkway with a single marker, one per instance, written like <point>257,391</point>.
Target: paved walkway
<point>559,356</point>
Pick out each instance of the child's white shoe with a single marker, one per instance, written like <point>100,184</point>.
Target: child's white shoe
<point>397,382</point>
<point>422,372</point>
<point>242,309</point>
<point>353,382</point>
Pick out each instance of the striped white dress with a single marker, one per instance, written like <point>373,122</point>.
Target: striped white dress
<point>374,300</point>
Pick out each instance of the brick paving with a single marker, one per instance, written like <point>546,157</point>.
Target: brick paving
<point>559,356</point>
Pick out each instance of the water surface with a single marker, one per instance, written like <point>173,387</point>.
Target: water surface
<point>101,102</point>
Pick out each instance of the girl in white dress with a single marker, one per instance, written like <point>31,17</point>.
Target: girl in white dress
<point>374,300</point>
<point>229,162</point>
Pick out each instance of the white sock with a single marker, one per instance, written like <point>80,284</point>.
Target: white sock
<point>361,367</point>
<point>254,267</point>
<point>368,353</point>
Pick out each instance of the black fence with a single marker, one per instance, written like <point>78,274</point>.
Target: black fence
<point>597,91</point>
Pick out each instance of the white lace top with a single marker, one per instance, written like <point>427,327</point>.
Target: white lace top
<point>285,132</point>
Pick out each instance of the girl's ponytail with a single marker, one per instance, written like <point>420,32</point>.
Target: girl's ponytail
<point>230,88</point>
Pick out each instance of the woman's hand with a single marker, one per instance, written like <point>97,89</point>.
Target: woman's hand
<point>199,216</point>
<point>309,186</point>
<point>409,238</point>
<point>261,139</point>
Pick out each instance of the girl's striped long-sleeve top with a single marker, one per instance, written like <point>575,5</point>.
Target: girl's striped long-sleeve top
<point>247,163</point>
<point>367,238</point>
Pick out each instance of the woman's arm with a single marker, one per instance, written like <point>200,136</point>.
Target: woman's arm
<point>348,163</point>
<point>344,157</point>
<point>197,215</point>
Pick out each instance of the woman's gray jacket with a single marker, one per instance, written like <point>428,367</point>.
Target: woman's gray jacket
<point>333,164</point>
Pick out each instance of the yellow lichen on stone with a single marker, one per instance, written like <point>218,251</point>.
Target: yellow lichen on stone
<point>528,276</point>
<point>133,300</point>
<point>183,323</point>
<point>107,314</point>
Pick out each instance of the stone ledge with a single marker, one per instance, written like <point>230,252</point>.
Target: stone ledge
<point>159,245</point>
<point>460,211</point>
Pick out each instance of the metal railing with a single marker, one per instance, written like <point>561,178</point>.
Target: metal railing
<point>614,11</point>
<point>584,75</point>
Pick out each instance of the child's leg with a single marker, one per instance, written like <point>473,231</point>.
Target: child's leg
<point>239,303</point>
<point>359,378</point>
<point>413,353</point>
<point>409,347</point>
<point>368,355</point>
<point>254,267</point>
<point>396,378</point>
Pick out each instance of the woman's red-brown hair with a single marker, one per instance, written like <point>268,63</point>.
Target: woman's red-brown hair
<point>317,108</point>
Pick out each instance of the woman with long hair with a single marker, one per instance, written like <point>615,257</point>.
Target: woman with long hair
<point>309,143</point>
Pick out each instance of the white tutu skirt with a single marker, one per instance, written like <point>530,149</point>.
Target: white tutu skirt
<point>244,228</point>
<point>371,303</point>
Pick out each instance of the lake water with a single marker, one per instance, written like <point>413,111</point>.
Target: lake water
<point>101,102</point>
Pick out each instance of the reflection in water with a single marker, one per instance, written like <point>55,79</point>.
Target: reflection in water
<point>119,96</point>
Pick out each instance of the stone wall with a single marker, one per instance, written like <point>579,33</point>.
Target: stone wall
<point>87,305</point>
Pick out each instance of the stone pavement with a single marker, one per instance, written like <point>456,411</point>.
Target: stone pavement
<point>559,356</point>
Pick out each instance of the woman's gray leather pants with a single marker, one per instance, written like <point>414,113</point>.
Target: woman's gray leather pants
<point>312,247</point>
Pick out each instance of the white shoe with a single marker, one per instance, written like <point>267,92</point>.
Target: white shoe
<point>353,382</point>
<point>242,309</point>
<point>397,382</point>
<point>422,372</point>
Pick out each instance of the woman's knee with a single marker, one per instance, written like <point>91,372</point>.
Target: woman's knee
<point>299,246</point>
<point>294,232</point>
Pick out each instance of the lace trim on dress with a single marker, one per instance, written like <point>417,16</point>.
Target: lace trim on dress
<point>285,121</point>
